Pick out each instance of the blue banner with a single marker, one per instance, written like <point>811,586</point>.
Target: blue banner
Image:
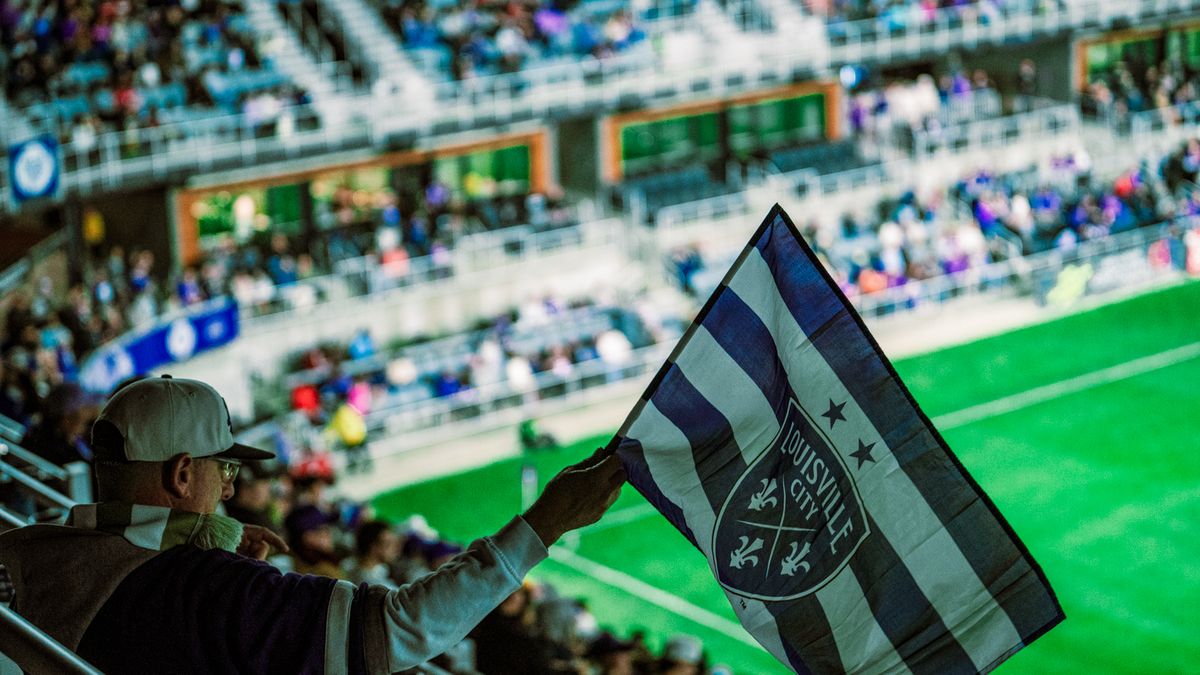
<point>172,339</point>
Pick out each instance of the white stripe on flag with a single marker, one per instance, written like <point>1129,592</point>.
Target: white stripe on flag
<point>723,383</point>
<point>898,507</point>
<point>861,643</point>
<point>669,457</point>
<point>730,390</point>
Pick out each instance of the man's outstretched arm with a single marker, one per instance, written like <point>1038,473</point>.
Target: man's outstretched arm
<point>405,627</point>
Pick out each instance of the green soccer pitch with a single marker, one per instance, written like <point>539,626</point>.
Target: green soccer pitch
<point>1085,431</point>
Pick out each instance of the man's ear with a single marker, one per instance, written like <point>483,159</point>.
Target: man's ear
<point>179,474</point>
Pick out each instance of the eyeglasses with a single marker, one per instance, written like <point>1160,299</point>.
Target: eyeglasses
<point>229,468</point>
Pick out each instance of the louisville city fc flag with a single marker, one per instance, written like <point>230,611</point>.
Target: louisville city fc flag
<point>848,538</point>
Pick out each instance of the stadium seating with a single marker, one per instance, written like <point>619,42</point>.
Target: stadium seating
<point>666,188</point>
<point>452,42</point>
<point>125,65</point>
<point>213,74</point>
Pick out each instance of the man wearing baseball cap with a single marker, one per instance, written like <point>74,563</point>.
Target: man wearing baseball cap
<point>151,579</point>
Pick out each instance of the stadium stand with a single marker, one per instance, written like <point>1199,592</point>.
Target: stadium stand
<point>950,160</point>
<point>102,67</point>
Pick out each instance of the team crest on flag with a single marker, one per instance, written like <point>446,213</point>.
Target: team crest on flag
<point>846,535</point>
<point>794,518</point>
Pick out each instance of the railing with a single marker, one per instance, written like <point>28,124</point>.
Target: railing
<point>477,405</point>
<point>11,519</point>
<point>1034,274</point>
<point>49,495</point>
<point>997,132</point>
<point>969,137</point>
<point>356,277</point>
<point>452,351</point>
<point>480,402</point>
<point>153,154</point>
<point>886,39</point>
<point>1158,129</point>
<point>34,651</point>
<point>43,469</point>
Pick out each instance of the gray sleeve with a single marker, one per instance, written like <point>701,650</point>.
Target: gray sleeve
<point>405,627</point>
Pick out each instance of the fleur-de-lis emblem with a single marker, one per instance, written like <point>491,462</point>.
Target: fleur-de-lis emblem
<point>795,560</point>
<point>764,496</point>
<point>740,557</point>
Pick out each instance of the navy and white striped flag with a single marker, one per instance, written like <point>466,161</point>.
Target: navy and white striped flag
<point>780,441</point>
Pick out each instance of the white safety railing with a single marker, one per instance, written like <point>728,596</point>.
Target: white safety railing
<point>120,159</point>
<point>907,36</point>
<point>1033,275</point>
<point>471,255</point>
<point>986,134</point>
<point>479,402</point>
<point>972,137</point>
<point>1160,129</point>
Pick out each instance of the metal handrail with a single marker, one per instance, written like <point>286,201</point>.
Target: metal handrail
<point>41,464</point>
<point>995,132</point>
<point>11,429</point>
<point>476,255</point>
<point>39,488</point>
<point>12,518</point>
<point>35,651</point>
<point>640,362</point>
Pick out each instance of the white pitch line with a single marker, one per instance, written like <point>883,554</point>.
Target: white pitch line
<point>1061,388</point>
<point>645,591</point>
<point>620,517</point>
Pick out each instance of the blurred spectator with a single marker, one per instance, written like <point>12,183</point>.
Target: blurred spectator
<point>613,655</point>
<point>310,536</point>
<point>122,61</point>
<point>505,641</point>
<point>683,655</point>
<point>253,501</point>
<point>376,548</point>
<point>486,39</point>
<point>60,434</point>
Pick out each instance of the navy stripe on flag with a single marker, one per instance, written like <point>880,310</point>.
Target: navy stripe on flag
<point>633,457</point>
<point>889,588</point>
<point>741,332</point>
<point>967,513</point>
<point>709,433</point>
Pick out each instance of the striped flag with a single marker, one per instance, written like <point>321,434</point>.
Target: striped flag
<point>848,538</point>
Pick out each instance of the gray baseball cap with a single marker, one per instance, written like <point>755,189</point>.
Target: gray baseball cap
<point>153,420</point>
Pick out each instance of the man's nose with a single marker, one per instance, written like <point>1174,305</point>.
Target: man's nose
<point>226,490</point>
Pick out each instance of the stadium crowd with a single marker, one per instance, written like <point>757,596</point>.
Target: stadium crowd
<point>901,14</point>
<point>527,354</point>
<point>1131,86</point>
<point>86,68</point>
<point>989,217</point>
<point>927,103</point>
<point>480,38</point>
